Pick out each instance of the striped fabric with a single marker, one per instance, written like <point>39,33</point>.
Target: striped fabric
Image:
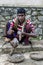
<point>21,26</point>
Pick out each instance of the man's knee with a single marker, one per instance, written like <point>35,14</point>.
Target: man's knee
<point>7,39</point>
<point>15,42</point>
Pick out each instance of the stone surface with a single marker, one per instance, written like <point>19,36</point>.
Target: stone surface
<point>6,63</point>
<point>2,18</point>
<point>28,16</point>
<point>41,12</point>
<point>4,57</point>
<point>1,30</point>
<point>27,61</point>
<point>36,44</point>
<point>34,13</point>
<point>37,56</point>
<point>28,12</point>
<point>16,58</point>
<point>40,18</point>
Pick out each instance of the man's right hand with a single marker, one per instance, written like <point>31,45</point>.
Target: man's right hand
<point>10,32</point>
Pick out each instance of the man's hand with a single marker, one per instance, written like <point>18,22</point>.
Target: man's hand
<point>20,35</point>
<point>10,32</point>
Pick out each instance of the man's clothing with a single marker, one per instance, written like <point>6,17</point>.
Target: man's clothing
<point>27,27</point>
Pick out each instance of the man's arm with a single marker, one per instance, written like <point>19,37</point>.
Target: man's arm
<point>30,30</point>
<point>30,34</point>
<point>10,31</point>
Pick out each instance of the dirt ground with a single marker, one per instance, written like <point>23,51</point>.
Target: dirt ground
<point>28,60</point>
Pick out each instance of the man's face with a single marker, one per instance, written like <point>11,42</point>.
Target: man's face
<point>21,17</point>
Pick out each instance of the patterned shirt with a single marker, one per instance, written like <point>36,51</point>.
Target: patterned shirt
<point>20,27</point>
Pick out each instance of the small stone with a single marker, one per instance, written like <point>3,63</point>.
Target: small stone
<point>36,56</point>
<point>16,58</point>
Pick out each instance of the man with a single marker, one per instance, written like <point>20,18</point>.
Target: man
<point>17,27</point>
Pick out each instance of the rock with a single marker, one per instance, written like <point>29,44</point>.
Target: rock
<point>5,14</point>
<point>16,58</point>
<point>38,31</point>
<point>28,16</point>
<point>34,13</point>
<point>40,18</point>
<point>1,18</point>
<point>33,18</point>
<point>39,9</point>
<point>1,30</point>
<point>36,56</point>
<point>28,12</point>
<point>41,12</point>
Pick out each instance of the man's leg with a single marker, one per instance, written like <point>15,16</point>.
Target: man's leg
<point>14,43</point>
<point>6,41</point>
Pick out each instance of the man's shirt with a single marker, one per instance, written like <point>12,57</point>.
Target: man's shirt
<point>20,27</point>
